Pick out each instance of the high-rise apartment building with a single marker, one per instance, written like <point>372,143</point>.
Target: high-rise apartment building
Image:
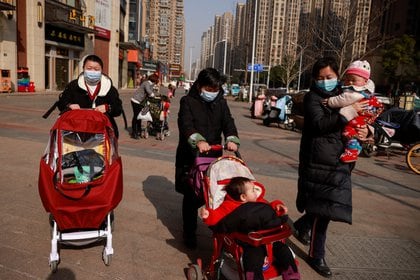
<point>166,30</point>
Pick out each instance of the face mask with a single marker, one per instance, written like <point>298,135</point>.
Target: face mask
<point>327,85</point>
<point>208,96</point>
<point>92,77</point>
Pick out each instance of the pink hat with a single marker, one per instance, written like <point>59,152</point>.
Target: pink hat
<point>359,68</point>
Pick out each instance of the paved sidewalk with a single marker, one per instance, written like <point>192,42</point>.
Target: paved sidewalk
<point>382,243</point>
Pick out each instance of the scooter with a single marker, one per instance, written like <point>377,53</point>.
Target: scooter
<point>279,113</point>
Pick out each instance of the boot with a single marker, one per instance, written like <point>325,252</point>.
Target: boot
<point>349,155</point>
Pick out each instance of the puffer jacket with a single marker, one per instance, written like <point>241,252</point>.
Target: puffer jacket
<point>210,119</point>
<point>324,184</point>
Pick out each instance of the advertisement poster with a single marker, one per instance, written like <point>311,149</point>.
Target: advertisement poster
<point>103,18</point>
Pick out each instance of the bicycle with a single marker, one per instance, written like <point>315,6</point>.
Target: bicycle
<point>413,158</point>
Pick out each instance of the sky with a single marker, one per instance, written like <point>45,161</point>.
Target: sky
<point>199,16</point>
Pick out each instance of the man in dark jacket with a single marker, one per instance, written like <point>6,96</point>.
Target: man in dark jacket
<point>202,119</point>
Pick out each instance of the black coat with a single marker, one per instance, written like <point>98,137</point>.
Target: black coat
<point>248,217</point>
<point>76,93</point>
<point>324,184</point>
<point>210,119</point>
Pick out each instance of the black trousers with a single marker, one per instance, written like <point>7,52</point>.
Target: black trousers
<point>318,227</point>
<point>134,122</point>
<point>190,204</point>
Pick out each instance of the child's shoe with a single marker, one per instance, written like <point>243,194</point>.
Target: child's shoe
<point>290,274</point>
<point>349,156</point>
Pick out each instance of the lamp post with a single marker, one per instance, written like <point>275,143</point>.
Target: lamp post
<point>253,53</point>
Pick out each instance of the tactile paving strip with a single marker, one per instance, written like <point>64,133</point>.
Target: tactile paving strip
<point>373,258</point>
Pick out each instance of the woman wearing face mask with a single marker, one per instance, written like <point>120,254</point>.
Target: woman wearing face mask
<point>92,89</point>
<point>203,117</point>
<point>324,184</point>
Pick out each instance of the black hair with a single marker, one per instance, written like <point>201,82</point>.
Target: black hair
<point>210,77</point>
<point>93,58</point>
<point>236,187</point>
<point>322,63</point>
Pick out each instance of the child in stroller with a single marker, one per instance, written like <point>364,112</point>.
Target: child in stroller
<point>236,228</point>
<point>244,210</point>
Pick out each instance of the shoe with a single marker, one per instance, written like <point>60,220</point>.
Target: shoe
<point>304,237</point>
<point>349,155</point>
<point>290,274</point>
<point>134,136</point>
<point>190,241</point>
<point>320,266</point>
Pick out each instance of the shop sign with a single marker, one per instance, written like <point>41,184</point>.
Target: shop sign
<point>103,18</point>
<point>61,35</point>
<point>149,65</point>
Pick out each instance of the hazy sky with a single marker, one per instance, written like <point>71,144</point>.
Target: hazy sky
<point>199,16</point>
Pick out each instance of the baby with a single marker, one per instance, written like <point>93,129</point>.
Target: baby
<point>244,210</point>
<point>357,87</point>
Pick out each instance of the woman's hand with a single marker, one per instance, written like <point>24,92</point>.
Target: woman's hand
<point>74,106</point>
<point>361,105</point>
<point>101,108</point>
<point>203,147</point>
<point>230,146</point>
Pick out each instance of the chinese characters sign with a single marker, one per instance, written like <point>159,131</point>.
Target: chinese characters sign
<point>57,34</point>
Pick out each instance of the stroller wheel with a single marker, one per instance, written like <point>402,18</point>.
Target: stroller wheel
<point>106,258</point>
<point>194,272</point>
<point>53,266</point>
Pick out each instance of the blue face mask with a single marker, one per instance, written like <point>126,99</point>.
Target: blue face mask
<point>92,77</point>
<point>208,96</point>
<point>327,85</point>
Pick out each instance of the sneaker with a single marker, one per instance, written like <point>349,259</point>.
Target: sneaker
<point>349,156</point>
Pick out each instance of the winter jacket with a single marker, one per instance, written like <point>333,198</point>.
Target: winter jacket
<point>324,184</point>
<point>209,119</point>
<point>76,93</point>
<point>228,206</point>
<point>248,217</point>
<point>145,90</point>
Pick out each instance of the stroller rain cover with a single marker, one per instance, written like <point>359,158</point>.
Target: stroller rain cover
<point>80,173</point>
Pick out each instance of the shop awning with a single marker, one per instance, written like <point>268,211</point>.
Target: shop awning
<point>73,27</point>
<point>6,7</point>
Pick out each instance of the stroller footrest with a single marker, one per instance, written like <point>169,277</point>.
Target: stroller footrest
<point>80,235</point>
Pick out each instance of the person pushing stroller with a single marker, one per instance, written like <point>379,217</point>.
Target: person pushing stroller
<point>245,210</point>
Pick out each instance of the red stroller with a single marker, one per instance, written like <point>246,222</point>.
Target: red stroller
<point>227,253</point>
<point>80,181</point>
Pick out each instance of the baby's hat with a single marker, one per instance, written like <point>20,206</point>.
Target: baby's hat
<point>360,68</point>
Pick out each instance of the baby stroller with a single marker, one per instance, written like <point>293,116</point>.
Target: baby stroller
<point>155,113</point>
<point>80,181</point>
<point>226,255</point>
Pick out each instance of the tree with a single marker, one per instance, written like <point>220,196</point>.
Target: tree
<point>400,61</point>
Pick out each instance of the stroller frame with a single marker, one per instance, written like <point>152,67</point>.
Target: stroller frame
<point>226,243</point>
<point>82,237</point>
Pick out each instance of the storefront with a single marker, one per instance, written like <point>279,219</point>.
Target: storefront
<point>66,42</point>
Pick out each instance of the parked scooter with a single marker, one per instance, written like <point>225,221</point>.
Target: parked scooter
<point>278,110</point>
<point>394,129</point>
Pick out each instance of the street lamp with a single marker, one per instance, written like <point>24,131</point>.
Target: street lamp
<point>253,53</point>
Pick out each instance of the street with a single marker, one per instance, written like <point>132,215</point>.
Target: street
<point>382,243</point>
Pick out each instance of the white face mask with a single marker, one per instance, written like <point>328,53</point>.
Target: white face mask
<point>208,96</point>
<point>92,76</point>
